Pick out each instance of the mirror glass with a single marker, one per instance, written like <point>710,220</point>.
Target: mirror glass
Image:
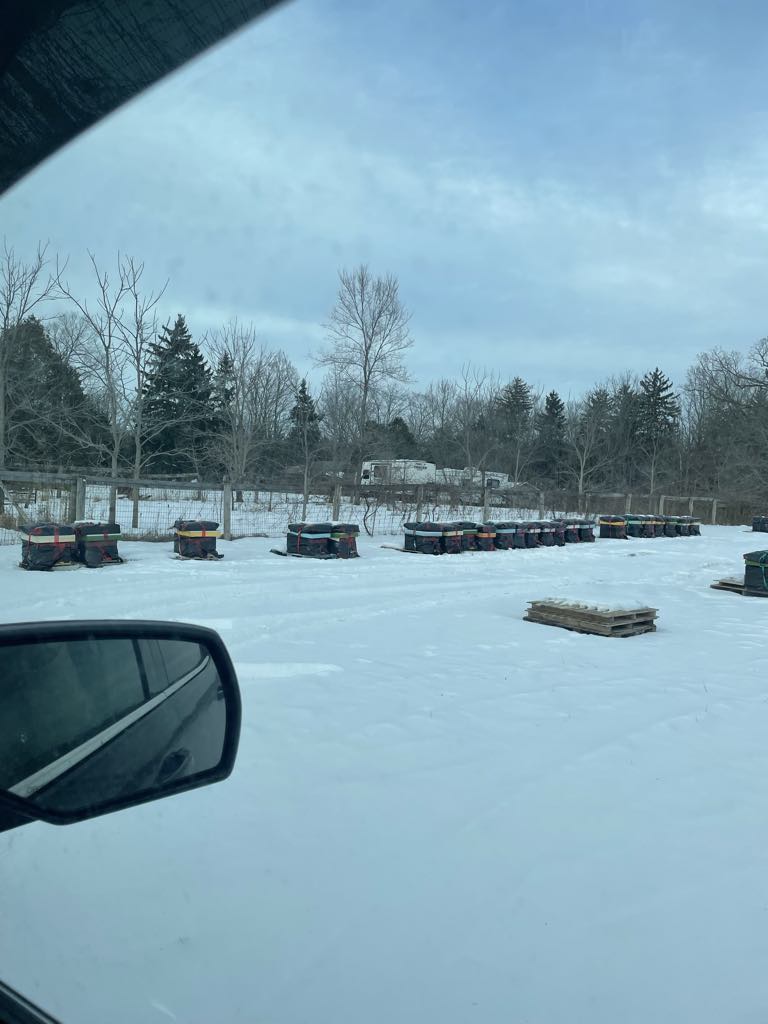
<point>87,722</point>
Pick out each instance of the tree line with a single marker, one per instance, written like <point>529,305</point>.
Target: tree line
<point>98,380</point>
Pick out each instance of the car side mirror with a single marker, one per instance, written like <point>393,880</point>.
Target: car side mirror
<point>98,716</point>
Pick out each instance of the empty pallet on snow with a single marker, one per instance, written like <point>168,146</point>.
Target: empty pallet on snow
<point>587,619</point>
<point>733,586</point>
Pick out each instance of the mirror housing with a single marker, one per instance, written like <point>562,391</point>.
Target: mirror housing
<point>96,716</point>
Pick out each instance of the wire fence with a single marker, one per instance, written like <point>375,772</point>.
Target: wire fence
<point>147,509</point>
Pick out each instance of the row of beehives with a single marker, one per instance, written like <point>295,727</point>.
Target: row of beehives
<point>46,546</point>
<point>452,538</point>
<point>622,527</point>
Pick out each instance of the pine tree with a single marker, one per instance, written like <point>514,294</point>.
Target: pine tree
<point>658,405</point>
<point>178,394</point>
<point>624,431</point>
<point>551,438</point>
<point>514,406</point>
<point>223,384</point>
<point>304,434</point>
<point>515,402</point>
<point>49,414</point>
<point>224,415</point>
<point>658,410</point>
<point>402,440</point>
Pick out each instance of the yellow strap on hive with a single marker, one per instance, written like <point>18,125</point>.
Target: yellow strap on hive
<point>198,533</point>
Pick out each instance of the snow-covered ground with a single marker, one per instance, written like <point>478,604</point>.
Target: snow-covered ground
<point>440,813</point>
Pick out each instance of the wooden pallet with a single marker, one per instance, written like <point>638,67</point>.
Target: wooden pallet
<point>592,620</point>
<point>295,554</point>
<point>732,586</point>
<point>412,551</point>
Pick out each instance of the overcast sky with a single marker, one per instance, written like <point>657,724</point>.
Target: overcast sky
<point>565,188</point>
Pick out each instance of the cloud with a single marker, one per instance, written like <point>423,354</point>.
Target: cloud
<point>251,177</point>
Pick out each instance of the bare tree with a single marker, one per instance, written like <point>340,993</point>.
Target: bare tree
<point>111,355</point>
<point>387,402</point>
<point>68,334</point>
<point>138,326</point>
<point>23,288</point>
<point>339,404</point>
<point>368,337</point>
<point>234,352</point>
<point>726,417</point>
<point>585,437</point>
<point>273,386</point>
<point>474,417</point>
<point>254,391</point>
<point>440,407</point>
<point>416,415</point>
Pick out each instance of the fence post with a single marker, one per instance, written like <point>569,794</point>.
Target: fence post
<point>714,511</point>
<point>486,502</point>
<point>662,499</point>
<point>336,513</point>
<point>419,501</point>
<point>112,503</point>
<point>226,510</point>
<point>80,498</point>
<point>72,501</point>
<point>690,506</point>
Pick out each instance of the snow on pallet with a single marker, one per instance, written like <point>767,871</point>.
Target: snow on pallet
<point>595,619</point>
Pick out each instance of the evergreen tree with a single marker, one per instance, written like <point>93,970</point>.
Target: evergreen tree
<point>624,432</point>
<point>178,394</point>
<point>304,435</point>
<point>514,408</point>
<point>658,410</point>
<point>49,415</point>
<point>223,383</point>
<point>551,438</point>
<point>554,411</point>
<point>515,401</point>
<point>658,405</point>
<point>225,415</point>
<point>402,440</point>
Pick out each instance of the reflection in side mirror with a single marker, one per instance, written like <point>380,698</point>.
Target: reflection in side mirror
<point>97,716</point>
